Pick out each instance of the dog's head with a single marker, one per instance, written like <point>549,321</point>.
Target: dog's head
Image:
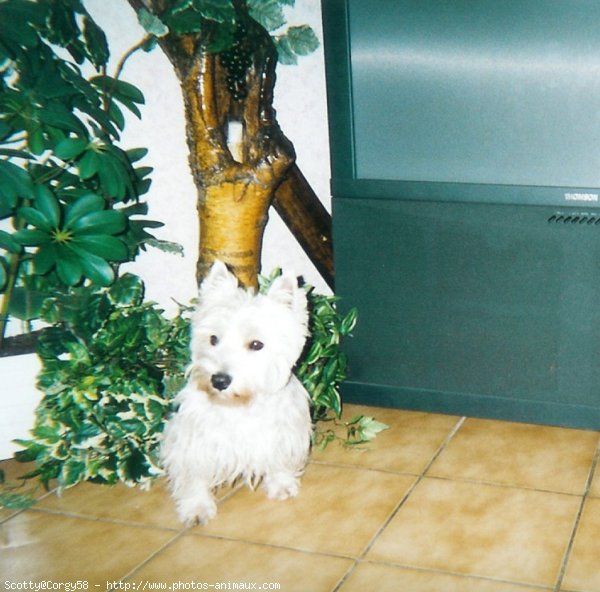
<point>244,344</point>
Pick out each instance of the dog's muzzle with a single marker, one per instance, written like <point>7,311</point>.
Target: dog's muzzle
<point>220,381</point>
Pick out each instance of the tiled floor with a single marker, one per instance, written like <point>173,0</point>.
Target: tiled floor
<point>437,504</point>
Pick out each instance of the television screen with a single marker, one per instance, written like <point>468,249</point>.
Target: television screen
<point>487,92</point>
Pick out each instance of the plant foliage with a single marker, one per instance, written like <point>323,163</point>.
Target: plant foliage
<point>111,365</point>
<point>218,23</point>
<point>69,194</point>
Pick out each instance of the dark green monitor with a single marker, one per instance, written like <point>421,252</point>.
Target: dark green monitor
<point>465,146</point>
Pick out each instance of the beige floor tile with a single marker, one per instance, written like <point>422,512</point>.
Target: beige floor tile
<point>505,533</point>
<point>408,446</point>
<point>119,502</point>
<point>207,560</point>
<point>40,546</point>
<point>338,511</point>
<point>394,579</point>
<point>583,569</point>
<point>524,455</point>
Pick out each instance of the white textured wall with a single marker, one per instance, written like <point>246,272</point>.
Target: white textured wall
<point>301,108</point>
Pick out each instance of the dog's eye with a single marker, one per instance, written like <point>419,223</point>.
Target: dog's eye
<point>214,340</point>
<point>256,345</point>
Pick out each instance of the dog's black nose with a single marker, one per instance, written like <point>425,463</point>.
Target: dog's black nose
<point>220,381</point>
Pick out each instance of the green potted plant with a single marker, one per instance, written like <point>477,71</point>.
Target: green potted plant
<point>112,364</point>
<point>71,208</point>
<point>111,361</point>
<point>70,195</point>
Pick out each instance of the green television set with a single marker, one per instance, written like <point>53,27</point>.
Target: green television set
<point>465,150</point>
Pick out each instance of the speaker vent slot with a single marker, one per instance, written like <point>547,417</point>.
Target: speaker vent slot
<point>575,219</point>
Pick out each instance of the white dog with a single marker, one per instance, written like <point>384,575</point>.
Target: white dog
<point>243,414</point>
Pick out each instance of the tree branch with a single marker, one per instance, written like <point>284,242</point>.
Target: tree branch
<point>308,221</point>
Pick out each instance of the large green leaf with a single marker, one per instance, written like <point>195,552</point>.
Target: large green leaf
<point>127,290</point>
<point>113,175</point>
<point>116,115</point>
<point>118,88</point>
<point>45,259</point>
<point>86,204</point>
<point>105,222</point>
<point>221,11</point>
<point>96,43</point>
<point>26,304</point>
<point>98,115</point>
<point>151,23</point>
<point>131,106</point>
<point>113,169</point>
<point>14,182</point>
<point>68,265</point>
<point>302,40</point>
<point>297,41</point>
<point>133,466</point>
<point>8,242</point>
<point>89,164</point>
<point>47,205</point>
<point>31,238</point>
<point>73,471</point>
<point>94,267</point>
<point>35,140</point>
<point>268,13</point>
<point>50,82</point>
<point>62,25</point>
<point>182,18</point>
<point>105,246</point>
<point>12,153</point>
<point>24,11</point>
<point>15,26</point>
<point>135,154</point>
<point>70,148</point>
<point>46,433</point>
<point>36,218</point>
<point>57,115</point>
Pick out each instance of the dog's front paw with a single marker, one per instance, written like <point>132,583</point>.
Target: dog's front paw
<point>193,511</point>
<point>281,486</point>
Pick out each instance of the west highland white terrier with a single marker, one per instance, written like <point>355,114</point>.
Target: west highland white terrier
<point>243,414</point>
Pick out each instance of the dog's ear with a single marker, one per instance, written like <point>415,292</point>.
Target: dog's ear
<point>286,291</point>
<point>219,281</point>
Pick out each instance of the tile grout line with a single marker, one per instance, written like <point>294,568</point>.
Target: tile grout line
<point>18,511</point>
<point>104,519</point>
<point>177,535</point>
<point>466,576</point>
<point>281,547</point>
<point>154,554</point>
<point>499,484</point>
<point>110,520</point>
<point>399,505</point>
<point>193,531</point>
<point>584,498</point>
<point>444,445</point>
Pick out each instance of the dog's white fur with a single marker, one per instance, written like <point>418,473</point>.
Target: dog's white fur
<point>257,427</point>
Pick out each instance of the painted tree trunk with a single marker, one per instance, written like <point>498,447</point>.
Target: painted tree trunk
<point>232,222</point>
<point>237,184</point>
